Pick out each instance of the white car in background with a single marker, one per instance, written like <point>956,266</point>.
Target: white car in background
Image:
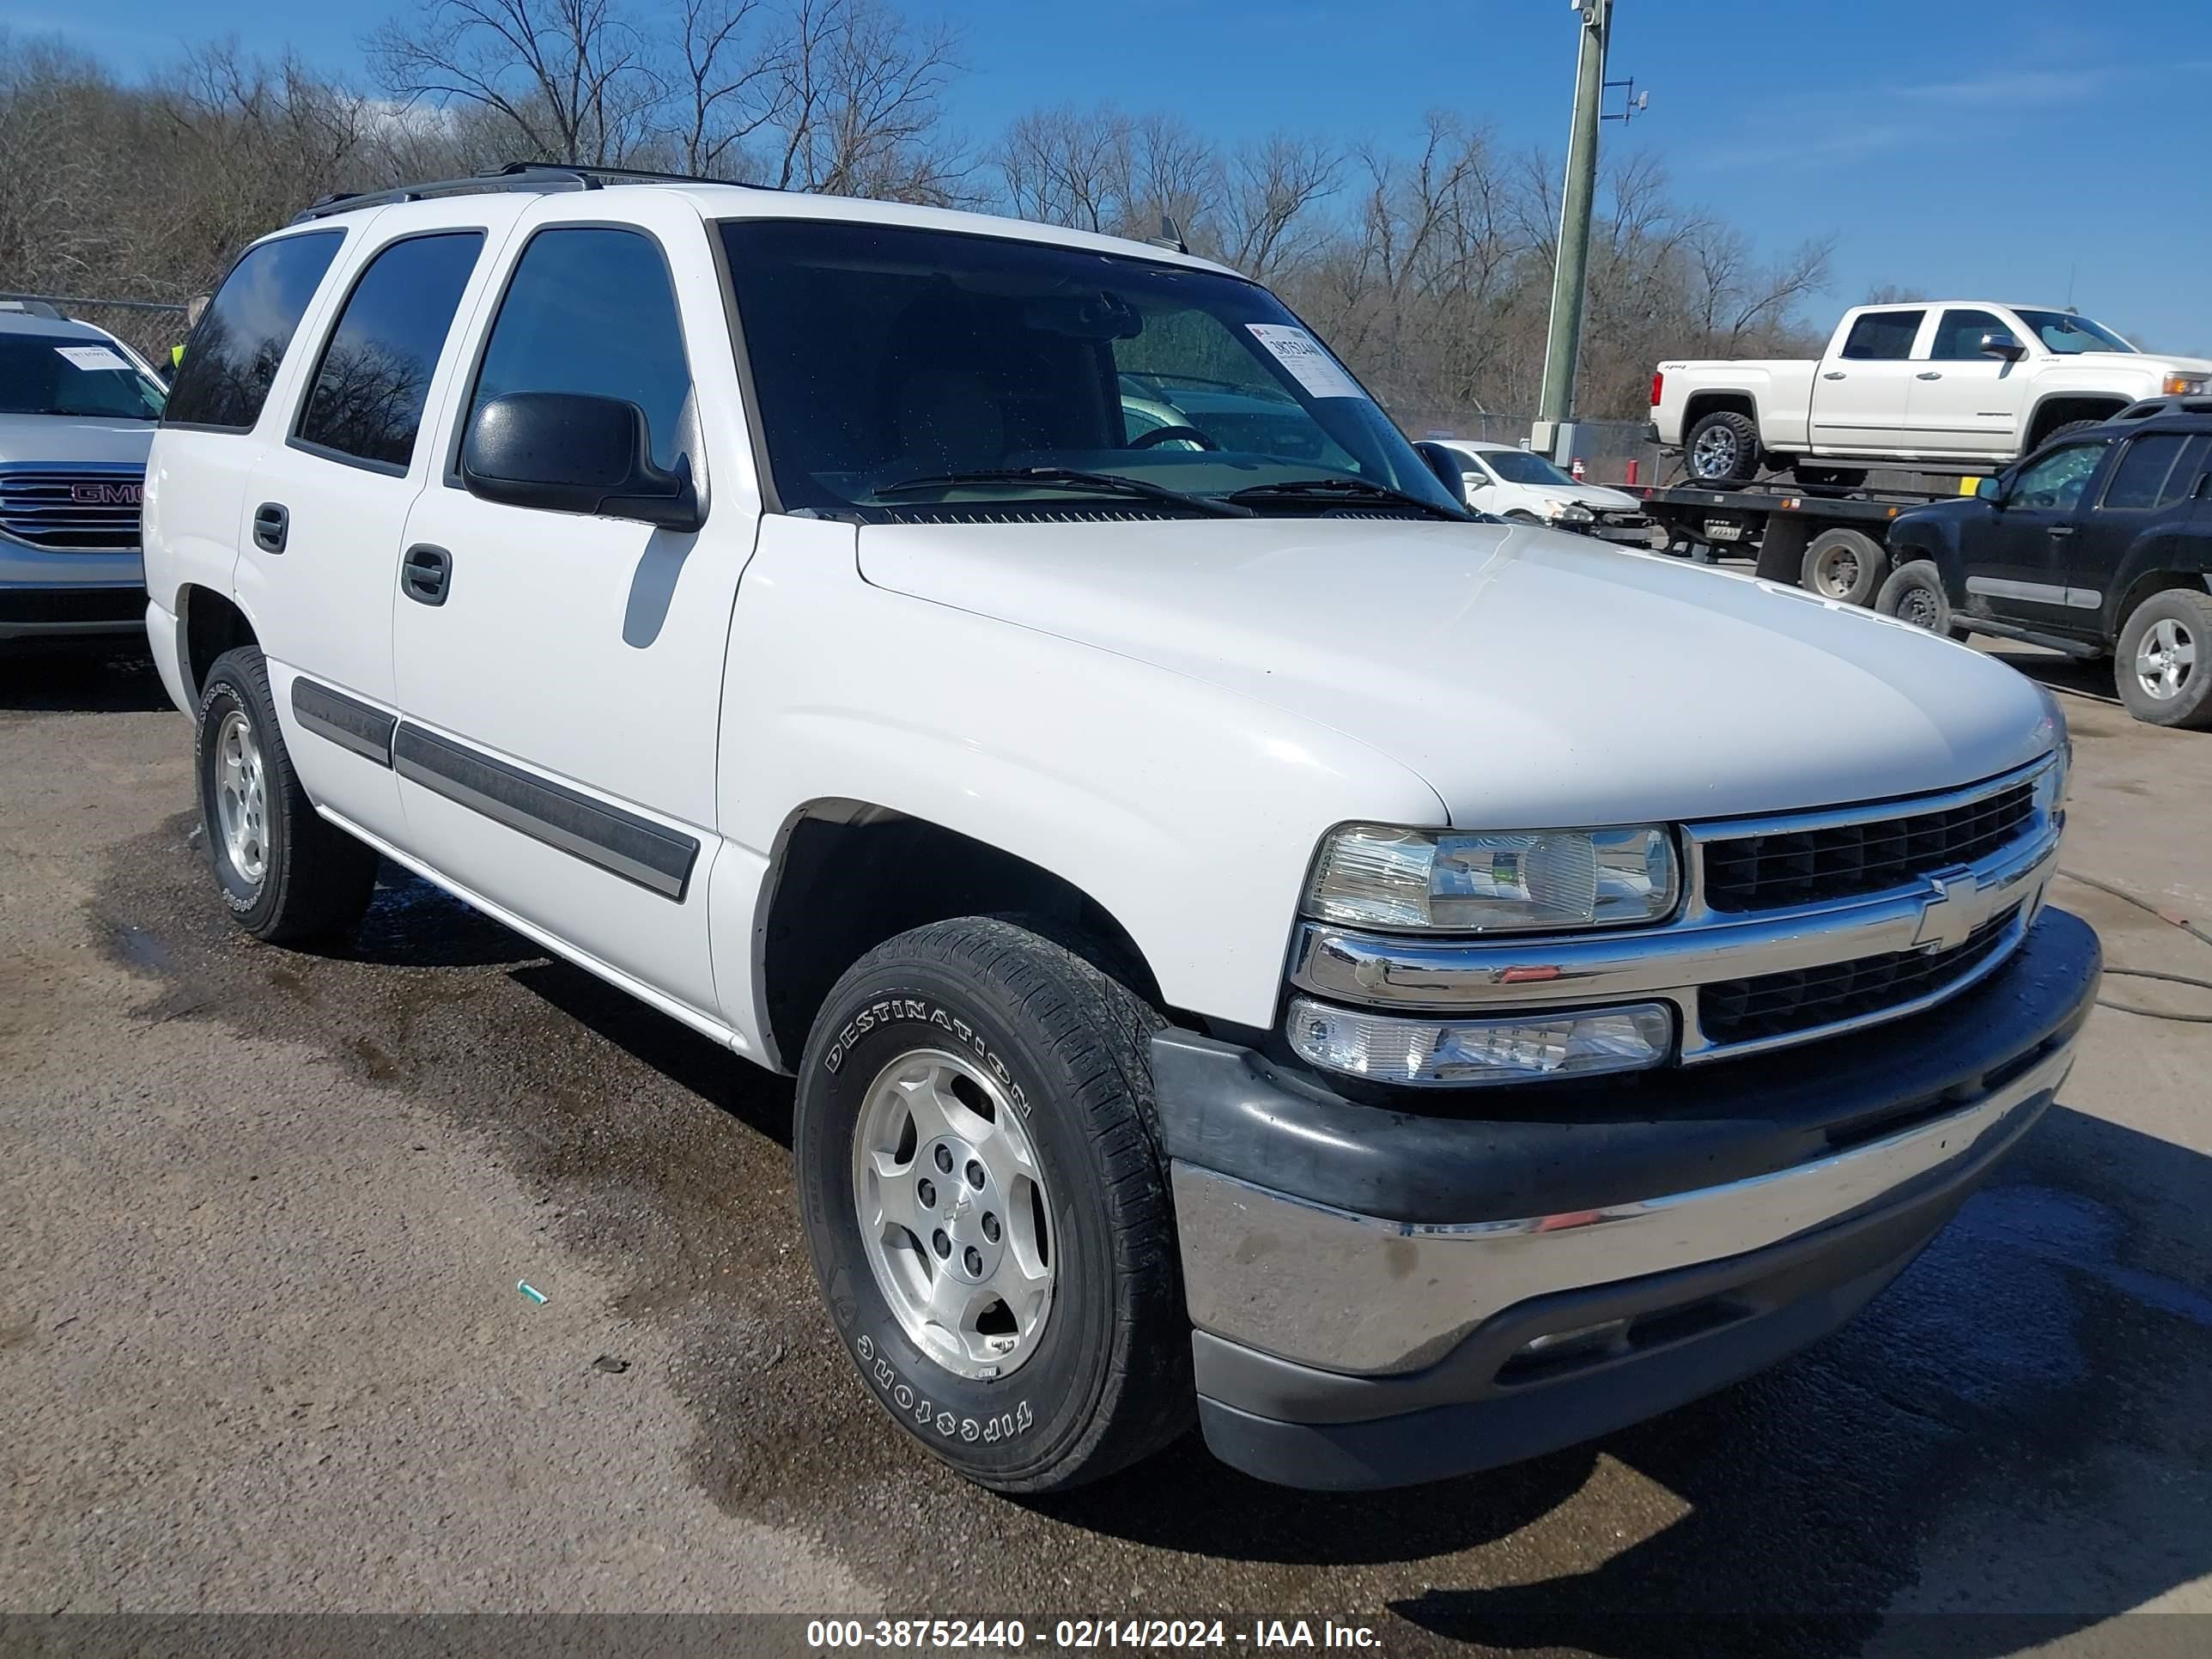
<point>1511,483</point>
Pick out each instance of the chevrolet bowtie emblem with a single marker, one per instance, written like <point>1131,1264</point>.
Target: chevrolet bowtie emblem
<point>1951,915</point>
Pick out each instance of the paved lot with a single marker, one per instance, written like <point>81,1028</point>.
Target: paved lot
<point>262,1214</point>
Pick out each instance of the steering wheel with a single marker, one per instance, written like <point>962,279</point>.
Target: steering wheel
<point>1160,434</point>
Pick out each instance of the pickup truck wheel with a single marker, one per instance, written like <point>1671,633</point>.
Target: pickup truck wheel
<point>2163,668</point>
<point>1722,448</point>
<point>2061,431</point>
<point>285,871</point>
<point>1914,594</point>
<point>1845,565</point>
<point>987,1205</point>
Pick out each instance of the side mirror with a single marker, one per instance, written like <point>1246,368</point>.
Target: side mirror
<point>1454,470</point>
<point>566,451</point>
<point>1990,490</point>
<point>2001,343</point>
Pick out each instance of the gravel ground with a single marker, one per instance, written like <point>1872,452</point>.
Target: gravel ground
<point>263,1212</point>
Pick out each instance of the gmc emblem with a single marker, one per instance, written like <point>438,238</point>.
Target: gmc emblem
<point>103,493</point>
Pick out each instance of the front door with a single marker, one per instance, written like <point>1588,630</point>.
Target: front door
<point>1964,404</point>
<point>559,674</point>
<point>2144,515</point>
<point>2019,568</point>
<point>1860,396</point>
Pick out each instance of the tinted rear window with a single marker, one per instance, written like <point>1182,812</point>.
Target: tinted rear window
<point>375,372</point>
<point>2144,477</point>
<point>232,356</point>
<point>1883,335</point>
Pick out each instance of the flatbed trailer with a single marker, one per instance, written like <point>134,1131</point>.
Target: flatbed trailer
<point>1830,540</point>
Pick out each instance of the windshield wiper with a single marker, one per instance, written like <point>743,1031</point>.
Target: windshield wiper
<point>1112,482</point>
<point>1323,489</point>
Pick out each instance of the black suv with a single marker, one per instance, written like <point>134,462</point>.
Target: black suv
<point>2098,544</point>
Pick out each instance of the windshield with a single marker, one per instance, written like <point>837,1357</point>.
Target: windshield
<point>2067,334</point>
<point>72,375</point>
<point>885,355</point>
<point>1519,466</point>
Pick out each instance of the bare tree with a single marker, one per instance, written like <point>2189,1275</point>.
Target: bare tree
<point>572,78</point>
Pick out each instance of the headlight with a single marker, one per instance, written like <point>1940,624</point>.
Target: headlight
<point>1569,512</point>
<point>2186,385</point>
<point>1373,875</point>
<point>1463,1052</point>
<point>2051,784</point>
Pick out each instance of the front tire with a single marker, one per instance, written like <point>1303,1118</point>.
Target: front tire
<point>2163,668</point>
<point>286,872</point>
<point>987,1204</point>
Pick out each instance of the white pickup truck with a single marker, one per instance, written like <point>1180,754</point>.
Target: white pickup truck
<point>1258,946</point>
<point>1969,384</point>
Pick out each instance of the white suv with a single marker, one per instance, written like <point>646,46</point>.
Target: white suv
<point>1257,945</point>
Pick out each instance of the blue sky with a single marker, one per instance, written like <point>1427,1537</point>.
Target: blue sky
<point>1998,149</point>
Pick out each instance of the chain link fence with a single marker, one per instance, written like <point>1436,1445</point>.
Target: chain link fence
<point>148,327</point>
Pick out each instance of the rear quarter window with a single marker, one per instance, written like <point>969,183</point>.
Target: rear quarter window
<point>232,359</point>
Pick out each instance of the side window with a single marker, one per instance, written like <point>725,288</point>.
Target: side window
<point>2058,479</point>
<point>2139,482</point>
<point>1883,335</point>
<point>592,310</point>
<point>233,355</point>
<point>1958,336</point>
<point>366,400</point>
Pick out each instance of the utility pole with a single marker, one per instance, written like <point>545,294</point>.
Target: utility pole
<point>1556,406</point>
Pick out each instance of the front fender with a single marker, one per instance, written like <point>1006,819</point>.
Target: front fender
<point>1189,812</point>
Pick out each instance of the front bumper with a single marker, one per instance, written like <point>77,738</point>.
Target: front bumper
<point>48,593</point>
<point>1367,1283</point>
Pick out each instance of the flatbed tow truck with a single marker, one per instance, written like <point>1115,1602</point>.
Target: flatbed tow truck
<point>1829,539</point>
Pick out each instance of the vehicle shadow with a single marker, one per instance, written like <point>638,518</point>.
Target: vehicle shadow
<point>78,680</point>
<point>2015,1442</point>
<point>2073,676</point>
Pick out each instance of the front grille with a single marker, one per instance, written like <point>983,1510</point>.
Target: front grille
<point>1846,860</point>
<point>72,508</point>
<point>1777,1005</point>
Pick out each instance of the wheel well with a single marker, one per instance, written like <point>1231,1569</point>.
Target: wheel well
<point>2150,583</point>
<point>213,625</point>
<point>1702,403</point>
<point>852,876</point>
<point>2055,412</point>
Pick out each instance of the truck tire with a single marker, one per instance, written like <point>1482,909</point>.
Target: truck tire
<point>1914,594</point>
<point>987,1204</point>
<point>2163,666</point>
<point>2061,431</point>
<point>1846,565</point>
<point>1721,448</point>
<point>286,872</point>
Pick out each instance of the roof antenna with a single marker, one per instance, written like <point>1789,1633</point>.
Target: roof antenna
<point>1168,236</point>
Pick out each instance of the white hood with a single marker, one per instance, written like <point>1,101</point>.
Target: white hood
<point>1596,497</point>
<point>1531,678</point>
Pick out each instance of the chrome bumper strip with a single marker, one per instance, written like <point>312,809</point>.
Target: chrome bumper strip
<point>1352,1294</point>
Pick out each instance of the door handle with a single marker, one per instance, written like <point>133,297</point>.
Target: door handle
<point>425,573</point>
<point>2060,533</point>
<point>1929,374</point>
<point>272,523</point>
<point>1834,374</point>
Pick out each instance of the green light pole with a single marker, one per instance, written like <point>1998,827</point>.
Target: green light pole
<point>1557,405</point>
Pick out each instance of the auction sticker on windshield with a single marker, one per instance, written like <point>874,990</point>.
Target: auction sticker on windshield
<point>92,356</point>
<point>1321,375</point>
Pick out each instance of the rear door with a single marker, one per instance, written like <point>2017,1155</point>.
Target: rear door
<point>1861,396</point>
<point>1962,402</point>
<point>2020,566</point>
<point>327,505</point>
<point>560,685</point>
<point>2148,498</point>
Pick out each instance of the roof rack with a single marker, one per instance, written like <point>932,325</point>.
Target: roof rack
<point>537,176</point>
